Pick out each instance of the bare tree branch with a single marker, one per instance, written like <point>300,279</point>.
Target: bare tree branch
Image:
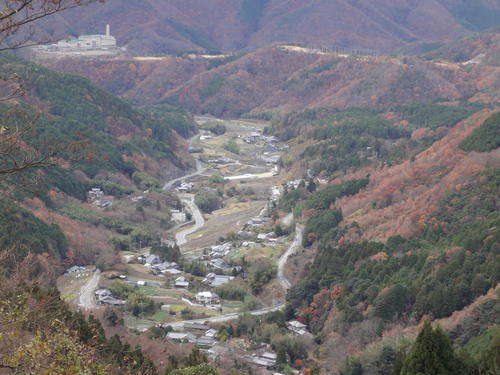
<point>20,148</point>
<point>17,14</point>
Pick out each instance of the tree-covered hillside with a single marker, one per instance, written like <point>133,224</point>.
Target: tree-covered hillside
<point>365,286</point>
<point>90,139</point>
<point>70,106</point>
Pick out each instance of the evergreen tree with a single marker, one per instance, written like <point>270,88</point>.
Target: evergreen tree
<point>490,359</point>
<point>432,354</point>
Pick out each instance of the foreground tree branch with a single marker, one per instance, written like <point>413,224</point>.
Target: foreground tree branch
<point>17,17</point>
<point>21,148</point>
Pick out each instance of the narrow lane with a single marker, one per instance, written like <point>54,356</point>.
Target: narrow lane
<point>86,299</point>
<point>199,169</point>
<point>284,282</point>
<point>199,222</point>
<point>292,249</point>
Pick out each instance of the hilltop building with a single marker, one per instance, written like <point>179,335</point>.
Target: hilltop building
<point>87,42</point>
<point>85,45</point>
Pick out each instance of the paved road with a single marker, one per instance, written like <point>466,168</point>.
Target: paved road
<point>249,176</point>
<point>292,249</point>
<point>86,299</point>
<point>199,222</point>
<point>288,219</point>
<point>221,318</point>
<point>199,170</point>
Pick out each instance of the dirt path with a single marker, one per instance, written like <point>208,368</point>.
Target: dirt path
<point>86,298</point>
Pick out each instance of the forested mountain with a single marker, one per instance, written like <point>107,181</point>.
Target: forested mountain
<point>389,169</point>
<point>103,142</point>
<point>406,230</point>
<point>159,26</point>
<point>71,104</point>
<point>284,78</point>
<point>96,140</point>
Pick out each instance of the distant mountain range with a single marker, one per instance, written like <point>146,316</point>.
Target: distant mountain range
<point>284,78</point>
<point>166,26</point>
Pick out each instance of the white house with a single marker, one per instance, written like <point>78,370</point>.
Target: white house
<point>297,327</point>
<point>266,359</point>
<point>207,298</point>
<point>95,193</point>
<point>181,283</point>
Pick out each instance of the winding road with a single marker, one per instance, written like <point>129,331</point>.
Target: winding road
<point>292,249</point>
<point>87,300</point>
<point>199,222</point>
<point>199,168</point>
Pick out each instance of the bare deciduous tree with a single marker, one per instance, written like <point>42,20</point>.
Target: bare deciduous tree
<point>19,15</point>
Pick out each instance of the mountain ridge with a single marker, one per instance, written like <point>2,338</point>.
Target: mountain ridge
<point>158,27</point>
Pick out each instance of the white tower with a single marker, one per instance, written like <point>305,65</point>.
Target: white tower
<point>108,30</point>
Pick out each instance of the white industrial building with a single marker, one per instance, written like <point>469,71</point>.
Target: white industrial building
<point>97,44</point>
<point>88,42</point>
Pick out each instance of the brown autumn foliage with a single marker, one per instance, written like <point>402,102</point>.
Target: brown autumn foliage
<point>388,25</point>
<point>400,199</point>
<point>273,78</point>
<point>141,80</point>
<point>85,242</point>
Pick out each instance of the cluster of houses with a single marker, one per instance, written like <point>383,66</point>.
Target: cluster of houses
<point>195,333</point>
<point>214,259</point>
<point>220,251</point>
<point>270,142</point>
<point>157,267</point>
<point>105,297</point>
<point>96,196</point>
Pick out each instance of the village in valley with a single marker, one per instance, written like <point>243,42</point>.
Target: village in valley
<point>218,264</point>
